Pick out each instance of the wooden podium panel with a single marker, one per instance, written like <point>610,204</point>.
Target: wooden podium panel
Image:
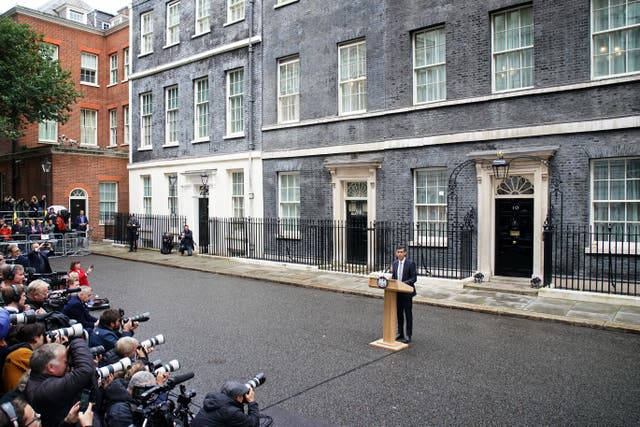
<point>389,319</point>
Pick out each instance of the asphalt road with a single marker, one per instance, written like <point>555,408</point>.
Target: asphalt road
<point>463,368</point>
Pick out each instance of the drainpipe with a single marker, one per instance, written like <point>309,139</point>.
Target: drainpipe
<point>250,117</point>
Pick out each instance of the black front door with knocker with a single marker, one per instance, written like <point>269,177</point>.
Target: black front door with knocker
<point>514,237</point>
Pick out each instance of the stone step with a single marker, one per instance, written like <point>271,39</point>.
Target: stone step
<point>511,285</point>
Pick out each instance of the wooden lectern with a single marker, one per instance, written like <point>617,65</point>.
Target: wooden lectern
<point>391,289</point>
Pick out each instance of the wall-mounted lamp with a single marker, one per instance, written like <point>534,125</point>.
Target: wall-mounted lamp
<point>204,188</point>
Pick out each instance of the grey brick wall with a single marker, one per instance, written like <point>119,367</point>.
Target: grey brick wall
<point>213,67</point>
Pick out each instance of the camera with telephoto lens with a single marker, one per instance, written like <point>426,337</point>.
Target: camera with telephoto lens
<point>172,366</point>
<point>152,342</point>
<point>57,299</point>
<point>137,318</point>
<point>72,331</point>
<point>156,407</point>
<point>97,350</point>
<point>256,381</point>
<point>28,316</point>
<point>120,365</point>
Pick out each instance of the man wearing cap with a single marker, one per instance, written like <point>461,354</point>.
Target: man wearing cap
<point>119,396</point>
<point>227,409</point>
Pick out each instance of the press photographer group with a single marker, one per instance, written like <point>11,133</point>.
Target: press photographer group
<point>63,366</point>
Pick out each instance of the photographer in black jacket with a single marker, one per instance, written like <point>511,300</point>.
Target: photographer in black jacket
<point>58,375</point>
<point>227,407</point>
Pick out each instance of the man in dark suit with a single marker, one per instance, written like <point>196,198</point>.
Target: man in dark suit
<point>404,270</point>
<point>76,309</point>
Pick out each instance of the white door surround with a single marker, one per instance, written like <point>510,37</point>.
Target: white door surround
<point>532,164</point>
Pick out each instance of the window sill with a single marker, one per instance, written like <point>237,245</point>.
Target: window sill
<point>112,84</point>
<point>288,236</point>
<point>429,102</point>
<point>429,243</point>
<point>48,142</point>
<point>226,24</point>
<point>199,141</point>
<point>498,92</point>
<point>200,34</point>
<point>89,84</point>
<point>145,148</point>
<point>284,3</point>
<point>352,113</point>
<point>112,146</point>
<point>167,46</point>
<point>171,144</point>
<point>618,249</point>
<point>234,136</point>
<point>125,80</point>
<point>145,54</point>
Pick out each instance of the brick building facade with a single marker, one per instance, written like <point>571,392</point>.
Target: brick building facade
<point>89,153</point>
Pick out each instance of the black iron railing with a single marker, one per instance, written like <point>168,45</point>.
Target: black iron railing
<point>346,246</point>
<point>603,259</point>
<point>151,228</point>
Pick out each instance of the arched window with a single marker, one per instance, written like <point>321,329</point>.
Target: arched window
<point>515,185</point>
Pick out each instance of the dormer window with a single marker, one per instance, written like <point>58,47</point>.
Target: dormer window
<point>77,15</point>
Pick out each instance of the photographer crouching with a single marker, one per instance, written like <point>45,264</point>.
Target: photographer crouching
<point>226,408</point>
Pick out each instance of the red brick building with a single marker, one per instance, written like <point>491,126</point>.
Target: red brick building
<point>88,155</point>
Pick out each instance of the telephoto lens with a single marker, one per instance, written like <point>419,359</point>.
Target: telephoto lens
<point>256,381</point>
<point>172,366</point>
<point>28,316</point>
<point>120,365</point>
<point>72,331</point>
<point>152,342</point>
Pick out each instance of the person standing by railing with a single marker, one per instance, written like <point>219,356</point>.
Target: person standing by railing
<point>133,226</point>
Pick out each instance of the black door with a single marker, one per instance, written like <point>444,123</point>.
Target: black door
<point>203,225</point>
<point>77,205</point>
<point>356,232</point>
<point>514,237</point>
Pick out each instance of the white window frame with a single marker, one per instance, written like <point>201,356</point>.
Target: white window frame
<point>127,63</point>
<point>88,72</point>
<point>172,115</point>
<point>173,24</point>
<point>113,127</point>
<point>289,90</point>
<point>517,54</point>
<point>146,33</point>
<point>432,230</point>
<point>235,103</point>
<point>146,120</point>
<point>76,16</point>
<point>349,78</point>
<point>621,185</point>
<point>147,195</point>
<point>88,130</point>
<point>113,69</point>
<point>203,14</point>
<point>108,193</point>
<point>48,132</point>
<point>172,195</point>
<point>201,109</point>
<point>237,194</point>
<point>235,11</point>
<point>606,39</point>
<point>432,64</point>
<point>289,204</point>
<point>126,127</point>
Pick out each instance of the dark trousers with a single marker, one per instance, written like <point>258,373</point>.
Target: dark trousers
<point>133,241</point>
<point>403,306</point>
